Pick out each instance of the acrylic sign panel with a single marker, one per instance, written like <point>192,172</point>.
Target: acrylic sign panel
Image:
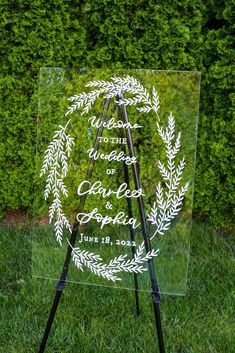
<point>85,175</point>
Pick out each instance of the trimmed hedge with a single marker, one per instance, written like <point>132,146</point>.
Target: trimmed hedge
<point>178,35</point>
<point>215,182</point>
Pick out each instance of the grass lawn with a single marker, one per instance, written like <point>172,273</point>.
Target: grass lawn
<point>102,320</point>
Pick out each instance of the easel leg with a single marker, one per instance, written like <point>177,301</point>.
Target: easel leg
<point>151,268</point>
<point>61,284</point>
<point>50,321</point>
<point>132,234</point>
<point>59,289</point>
<point>132,237</point>
<point>156,308</point>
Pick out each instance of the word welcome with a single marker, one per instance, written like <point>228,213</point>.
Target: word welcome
<point>112,124</point>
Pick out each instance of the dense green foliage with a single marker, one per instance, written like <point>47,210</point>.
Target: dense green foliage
<point>215,191</point>
<point>179,35</point>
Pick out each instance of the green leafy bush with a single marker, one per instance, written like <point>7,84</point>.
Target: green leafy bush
<point>164,35</point>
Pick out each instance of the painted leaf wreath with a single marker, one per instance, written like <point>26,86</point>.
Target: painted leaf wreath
<point>55,165</point>
<point>168,203</point>
<point>119,264</point>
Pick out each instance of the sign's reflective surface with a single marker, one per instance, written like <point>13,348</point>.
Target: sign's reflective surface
<point>93,177</point>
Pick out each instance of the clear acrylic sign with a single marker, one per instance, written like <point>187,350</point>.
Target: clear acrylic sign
<point>114,150</point>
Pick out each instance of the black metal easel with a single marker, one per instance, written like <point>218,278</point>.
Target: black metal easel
<point>154,286</point>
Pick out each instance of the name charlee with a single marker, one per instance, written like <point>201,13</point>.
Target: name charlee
<point>98,189</point>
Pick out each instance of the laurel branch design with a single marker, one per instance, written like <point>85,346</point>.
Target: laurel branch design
<point>119,264</point>
<point>55,164</point>
<point>168,204</point>
<point>114,88</point>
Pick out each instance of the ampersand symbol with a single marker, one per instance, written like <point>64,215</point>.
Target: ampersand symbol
<point>109,205</point>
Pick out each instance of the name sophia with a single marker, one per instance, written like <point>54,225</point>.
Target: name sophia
<point>120,218</point>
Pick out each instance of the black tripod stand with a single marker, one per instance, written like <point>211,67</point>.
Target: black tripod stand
<point>154,286</point>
